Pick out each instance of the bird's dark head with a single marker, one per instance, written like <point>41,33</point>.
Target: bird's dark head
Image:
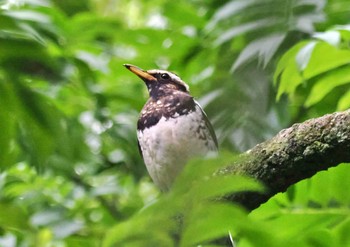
<point>159,82</point>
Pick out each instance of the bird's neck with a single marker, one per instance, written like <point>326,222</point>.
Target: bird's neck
<point>169,106</point>
<point>159,91</point>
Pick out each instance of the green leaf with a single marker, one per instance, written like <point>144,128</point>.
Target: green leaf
<point>263,48</point>
<point>344,102</point>
<point>325,57</point>
<point>13,217</point>
<point>7,125</point>
<point>29,15</point>
<point>301,222</point>
<point>327,83</point>
<point>331,37</point>
<point>328,187</point>
<point>201,179</point>
<point>341,232</point>
<point>223,185</point>
<point>142,230</point>
<point>210,221</point>
<point>312,59</point>
<point>304,55</point>
<point>318,237</point>
<point>286,61</point>
<point>199,169</point>
<point>290,79</point>
<point>238,30</point>
<point>287,74</point>
<point>228,10</point>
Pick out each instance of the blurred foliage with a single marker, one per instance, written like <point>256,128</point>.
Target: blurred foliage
<point>70,172</point>
<point>313,64</point>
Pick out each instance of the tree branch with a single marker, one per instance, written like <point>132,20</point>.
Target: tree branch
<point>294,154</point>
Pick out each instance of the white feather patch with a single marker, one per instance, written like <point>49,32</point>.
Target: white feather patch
<point>168,145</point>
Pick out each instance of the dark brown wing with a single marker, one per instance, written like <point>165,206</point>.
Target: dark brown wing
<point>138,144</point>
<point>209,126</point>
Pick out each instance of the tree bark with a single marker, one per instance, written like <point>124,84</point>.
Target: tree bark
<point>294,154</point>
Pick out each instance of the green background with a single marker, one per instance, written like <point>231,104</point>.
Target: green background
<point>71,174</point>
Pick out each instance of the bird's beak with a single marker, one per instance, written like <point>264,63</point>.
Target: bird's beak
<point>143,74</point>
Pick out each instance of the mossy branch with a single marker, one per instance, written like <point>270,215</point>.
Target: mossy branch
<point>294,154</point>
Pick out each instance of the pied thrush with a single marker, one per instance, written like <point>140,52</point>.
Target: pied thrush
<point>172,127</point>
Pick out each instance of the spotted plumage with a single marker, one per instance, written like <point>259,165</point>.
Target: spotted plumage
<point>172,127</point>
<point>170,106</point>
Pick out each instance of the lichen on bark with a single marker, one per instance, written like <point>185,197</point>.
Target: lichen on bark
<point>294,154</point>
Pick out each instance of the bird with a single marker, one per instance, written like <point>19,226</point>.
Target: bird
<point>172,127</point>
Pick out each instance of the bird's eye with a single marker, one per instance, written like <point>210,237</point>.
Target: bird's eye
<point>165,76</point>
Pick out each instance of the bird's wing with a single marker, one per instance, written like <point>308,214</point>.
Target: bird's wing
<point>138,144</point>
<point>209,126</point>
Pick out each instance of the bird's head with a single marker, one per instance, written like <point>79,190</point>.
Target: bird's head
<point>159,82</point>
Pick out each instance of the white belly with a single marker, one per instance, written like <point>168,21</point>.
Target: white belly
<point>167,146</point>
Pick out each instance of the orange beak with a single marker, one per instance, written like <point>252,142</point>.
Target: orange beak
<point>143,74</point>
